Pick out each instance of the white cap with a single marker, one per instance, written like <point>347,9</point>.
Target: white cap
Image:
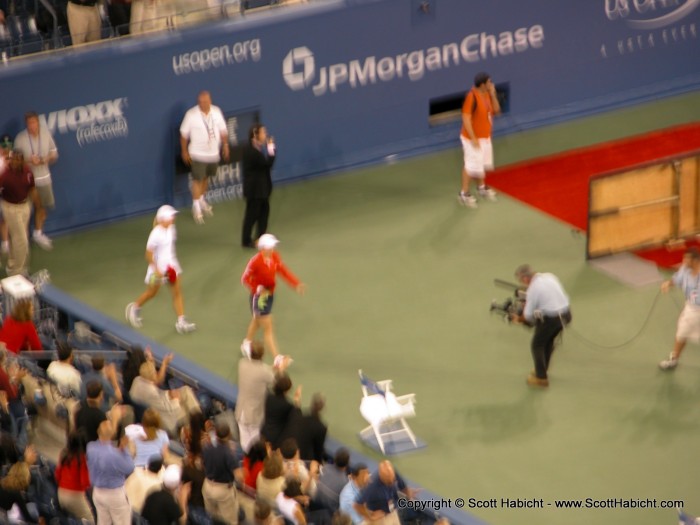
<point>171,477</point>
<point>267,241</point>
<point>165,212</point>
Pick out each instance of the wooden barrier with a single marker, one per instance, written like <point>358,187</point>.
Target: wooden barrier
<point>644,206</point>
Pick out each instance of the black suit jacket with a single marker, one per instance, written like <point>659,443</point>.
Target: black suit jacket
<point>257,181</point>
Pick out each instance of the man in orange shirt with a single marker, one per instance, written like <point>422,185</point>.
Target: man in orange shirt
<point>480,105</point>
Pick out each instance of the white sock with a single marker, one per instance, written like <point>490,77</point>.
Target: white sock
<point>181,319</point>
<point>195,206</point>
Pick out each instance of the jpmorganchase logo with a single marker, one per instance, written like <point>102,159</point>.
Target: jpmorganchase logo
<point>91,123</point>
<point>649,14</point>
<point>300,56</point>
<point>300,70</point>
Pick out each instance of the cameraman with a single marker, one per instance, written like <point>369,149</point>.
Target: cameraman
<point>547,309</point>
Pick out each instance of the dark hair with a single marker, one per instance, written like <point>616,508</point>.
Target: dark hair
<point>289,448</point>
<point>254,131</point>
<point>197,425</point>
<point>293,488</point>
<point>98,363</point>
<point>356,469</point>
<point>223,431</point>
<point>257,350</point>
<point>481,78</point>
<point>342,457</point>
<point>135,357</point>
<point>691,252</point>
<point>283,384</point>
<point>30,114</point>
<point>64,352</point>
<point>257,452</point>
<point>75,448</point>
<point>93,389</point>
<point>155,463</point>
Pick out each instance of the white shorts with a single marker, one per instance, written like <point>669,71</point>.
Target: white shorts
<point>689,324</point>
<point>477,161</point>
<point>151,271</point>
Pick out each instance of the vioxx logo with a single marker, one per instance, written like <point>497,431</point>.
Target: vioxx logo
<point>649,14</point>
<point>91,123</point>
<point>298,68</point>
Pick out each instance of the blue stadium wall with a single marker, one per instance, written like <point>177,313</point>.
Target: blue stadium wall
<point>339,84</point>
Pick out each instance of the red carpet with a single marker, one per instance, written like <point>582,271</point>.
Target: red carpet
<point>558,184</point>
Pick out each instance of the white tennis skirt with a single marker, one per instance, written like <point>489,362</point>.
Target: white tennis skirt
<point>689,324</point>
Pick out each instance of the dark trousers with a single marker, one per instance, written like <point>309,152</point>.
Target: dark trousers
<point>257,212</point>
<point>119,17</point>
<point>542,345</point>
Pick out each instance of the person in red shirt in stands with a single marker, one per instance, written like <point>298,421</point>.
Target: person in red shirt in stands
<point>73,479</point>
<point>18,331</point>
<point>259,277</point>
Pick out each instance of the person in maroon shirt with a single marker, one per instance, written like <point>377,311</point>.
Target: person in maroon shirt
<point>17,189</point>
<point>18,331</point>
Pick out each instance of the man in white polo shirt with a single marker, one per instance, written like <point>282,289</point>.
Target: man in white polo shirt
<point>40,151</point>
<point>203,140</point>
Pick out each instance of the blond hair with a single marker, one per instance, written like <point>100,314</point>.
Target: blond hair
<point>147,370</point>
<point>17,478</point>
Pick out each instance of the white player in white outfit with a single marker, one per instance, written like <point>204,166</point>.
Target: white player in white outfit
<point>163,267</point>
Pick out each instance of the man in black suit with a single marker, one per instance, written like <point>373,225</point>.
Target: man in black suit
<point>257,161</point>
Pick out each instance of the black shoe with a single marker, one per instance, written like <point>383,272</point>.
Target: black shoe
<point>248,245</point>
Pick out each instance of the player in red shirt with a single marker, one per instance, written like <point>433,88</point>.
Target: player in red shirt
<point>259,277</point>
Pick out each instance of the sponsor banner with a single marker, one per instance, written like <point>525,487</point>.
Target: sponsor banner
<point>99,122</point>
<point>645,25</point>
<point>219,56</point>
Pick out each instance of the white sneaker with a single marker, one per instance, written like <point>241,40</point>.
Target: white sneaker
<point>132,315</point>
<point>487,193</point>
<point>246,346</point>
<point>670,363</point>
<point>5,247</point>
<point>467,199</point>
<point>197,216</point>
<point>42,241</point>
<point>282,361</point>
<point>183,326</point>
<point>206,208</point>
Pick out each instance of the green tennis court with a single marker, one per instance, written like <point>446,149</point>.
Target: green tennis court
<point>399,281</point>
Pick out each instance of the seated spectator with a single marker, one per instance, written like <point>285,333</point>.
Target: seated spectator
<point>254,380</point>
<point>332,479</point>
<point>10,380</point>
<point>167,505</point>
<point>173,406</point>
<point>265,516</point>
<point>359,478</point>
<point>64,374</point>
<point>73,479</point>
<point>135,357</point>
<point>379,499</point>
<point>150,440</point>
<point>18,331</point>
<point>107,375</point>
<point>89,415</point>
<point>295,468</point>
<point>253,463</point>
<point>278,410</point>
<point>219,489</point>
<point>141,482</point>
<point>271,480</point>
<point>288,503</point>
<point>14,485</point>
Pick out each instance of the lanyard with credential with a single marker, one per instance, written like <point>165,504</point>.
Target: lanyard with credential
<point>207,120</point>
<point>38,143</point>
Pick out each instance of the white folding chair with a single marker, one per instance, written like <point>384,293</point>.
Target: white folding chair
<point>385,412</point>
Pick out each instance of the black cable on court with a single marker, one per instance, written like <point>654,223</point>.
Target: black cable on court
<point>581,337</point>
